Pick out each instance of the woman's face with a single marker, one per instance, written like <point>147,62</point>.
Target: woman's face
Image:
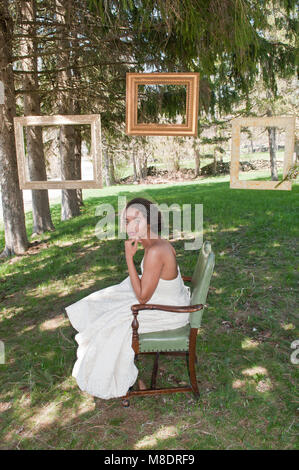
<point>136,224</point>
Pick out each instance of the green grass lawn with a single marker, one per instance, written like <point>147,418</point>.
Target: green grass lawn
<point>247,380</point>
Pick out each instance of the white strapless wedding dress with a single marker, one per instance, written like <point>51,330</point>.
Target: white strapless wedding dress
<point>105,359</point>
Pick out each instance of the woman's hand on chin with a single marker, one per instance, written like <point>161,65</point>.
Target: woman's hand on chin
<point>131,247</point>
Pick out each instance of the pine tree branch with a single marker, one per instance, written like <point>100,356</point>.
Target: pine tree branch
<point>72,67</point>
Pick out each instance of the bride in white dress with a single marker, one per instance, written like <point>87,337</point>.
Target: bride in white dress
<point>105,359</point>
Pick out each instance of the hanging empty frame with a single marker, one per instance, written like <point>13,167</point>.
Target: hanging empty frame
<point>188,83</point>
<point>273,121</point>
<point>96,154</point>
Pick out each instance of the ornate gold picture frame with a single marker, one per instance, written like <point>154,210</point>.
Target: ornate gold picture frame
<point>288,123</point>
<point>95,122</point>
<point>190,80</point>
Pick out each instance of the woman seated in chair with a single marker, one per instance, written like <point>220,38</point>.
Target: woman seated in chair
<point>105,359</point>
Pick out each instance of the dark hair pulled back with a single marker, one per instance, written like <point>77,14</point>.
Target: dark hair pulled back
<point>147,207</point>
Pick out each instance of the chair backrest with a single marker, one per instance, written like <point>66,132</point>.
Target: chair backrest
<point>201,281</point>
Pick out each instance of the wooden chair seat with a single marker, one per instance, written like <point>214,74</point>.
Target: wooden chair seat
<point>163,341</point>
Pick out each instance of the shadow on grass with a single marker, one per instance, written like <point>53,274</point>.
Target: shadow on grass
<point>253,234</point>
<point>49,411</point>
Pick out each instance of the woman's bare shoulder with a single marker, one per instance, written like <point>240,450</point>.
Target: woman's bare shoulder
<point>163,248</point>
<point>165,256</point>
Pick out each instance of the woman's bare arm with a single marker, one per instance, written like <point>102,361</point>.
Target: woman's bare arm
<point>145,286</point>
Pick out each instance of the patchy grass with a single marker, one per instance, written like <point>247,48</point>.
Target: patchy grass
<point>247,381</point>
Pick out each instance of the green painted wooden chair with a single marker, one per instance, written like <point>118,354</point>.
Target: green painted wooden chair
<point>180,341</point>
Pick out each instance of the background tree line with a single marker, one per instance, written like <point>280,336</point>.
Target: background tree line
<point>71,57</point>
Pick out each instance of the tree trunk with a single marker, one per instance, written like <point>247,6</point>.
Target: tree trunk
<point>106,166</point>
<point>69,200</point>
<point>144,167</point>
<point>296,150</point>
<point>78,134</point>
<point>37,170</point>
<point>176,162</point>
<point>197,162</point>
<point>78,158</point>
<point>215,162</point>
<point>134,165</point>
<point>111,169</point>
<point>272,149</point>
<point>139,166</point>
<point>16,241</point>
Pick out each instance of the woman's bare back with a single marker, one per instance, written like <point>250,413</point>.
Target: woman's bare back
<point>168,256</point>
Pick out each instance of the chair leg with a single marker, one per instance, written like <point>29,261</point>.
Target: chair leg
<point>154,373</point>
<point>192,375</point>
<point>125,403</point>
<point>191,363</point>
<point>187,363</point>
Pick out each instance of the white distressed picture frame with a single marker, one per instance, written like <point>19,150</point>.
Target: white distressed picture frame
<point>287,122</point>
<point>96,150</point>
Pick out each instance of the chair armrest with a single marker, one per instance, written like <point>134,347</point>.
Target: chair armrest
<point>187,278</point>
<point>169,308</point>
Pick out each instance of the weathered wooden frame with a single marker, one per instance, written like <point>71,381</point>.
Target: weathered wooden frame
<point>288,123</point>
<point>96,151</point>
<point>190,80</point>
